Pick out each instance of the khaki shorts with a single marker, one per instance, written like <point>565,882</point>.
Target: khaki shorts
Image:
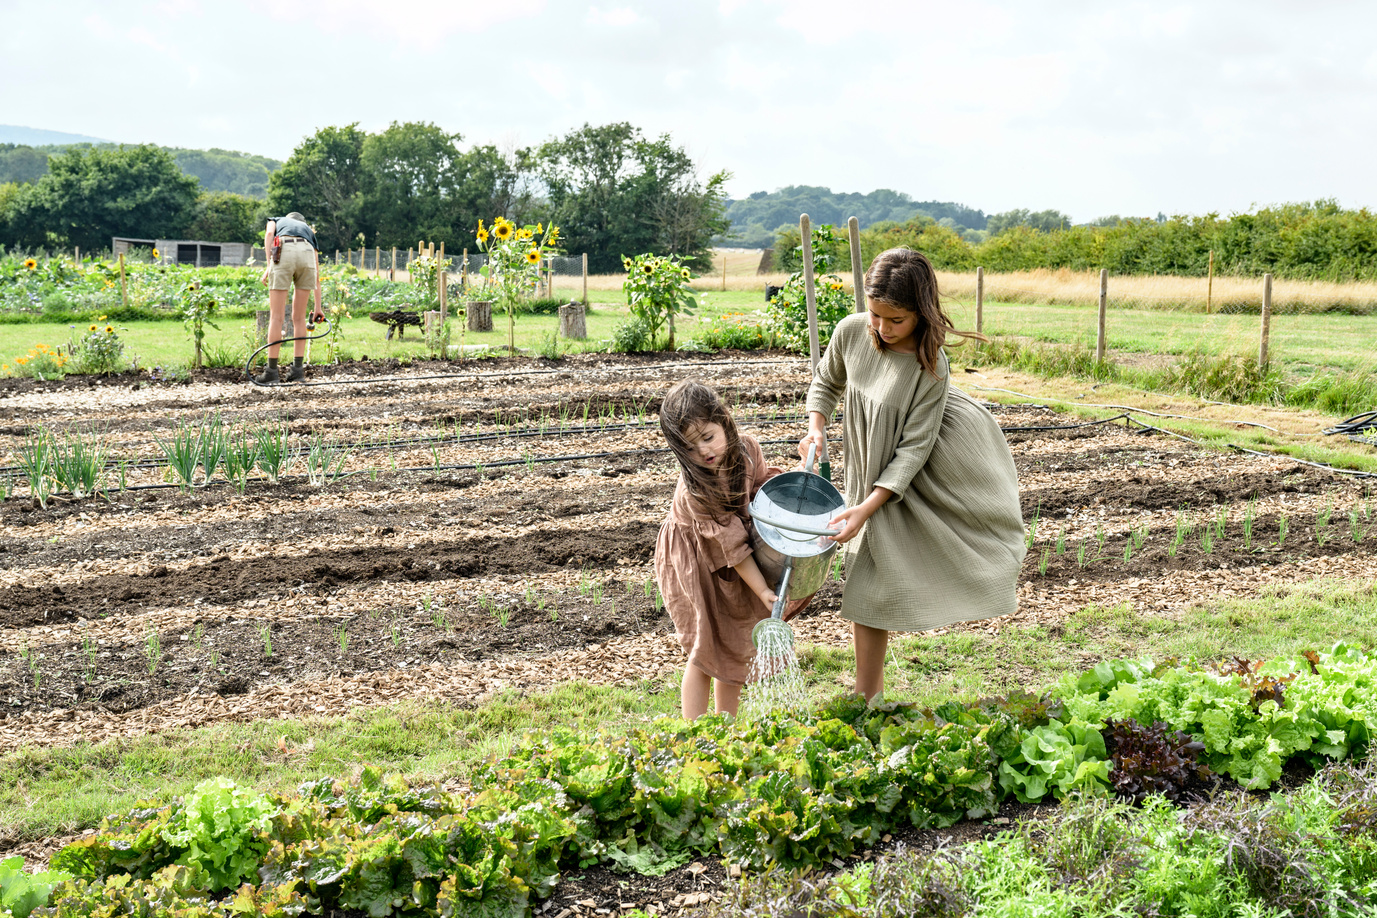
<point>297,267</point>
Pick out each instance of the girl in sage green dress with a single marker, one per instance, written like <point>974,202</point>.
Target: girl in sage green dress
<point>934,531</point>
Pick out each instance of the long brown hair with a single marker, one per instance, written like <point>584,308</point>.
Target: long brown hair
<point>691,404</point>
<point>904,279</point>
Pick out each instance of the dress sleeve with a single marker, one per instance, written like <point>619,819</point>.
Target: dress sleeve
<point>921,427</point>
<point>722,543</point>
<point>830,381</point>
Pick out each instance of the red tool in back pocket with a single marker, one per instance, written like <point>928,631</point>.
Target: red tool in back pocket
<point>276,250</point>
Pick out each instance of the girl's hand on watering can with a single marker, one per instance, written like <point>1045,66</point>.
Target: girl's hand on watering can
<point>768,597</point>
<point>849,521</point>
<point>814,437</point>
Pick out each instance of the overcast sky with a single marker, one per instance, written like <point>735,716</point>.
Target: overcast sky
<point>1091,108</point>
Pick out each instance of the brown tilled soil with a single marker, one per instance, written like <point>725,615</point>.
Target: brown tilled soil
<point>432,571</point>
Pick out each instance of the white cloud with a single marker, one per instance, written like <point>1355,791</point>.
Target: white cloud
<point>619,17</point>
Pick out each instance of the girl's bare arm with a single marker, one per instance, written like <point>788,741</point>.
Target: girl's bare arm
<point>749,572</point>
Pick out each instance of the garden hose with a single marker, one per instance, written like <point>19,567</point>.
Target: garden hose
<point>310,327</point>
<point>1361,428</point>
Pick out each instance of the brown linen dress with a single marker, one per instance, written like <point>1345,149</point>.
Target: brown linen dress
<point>948,546</point>
<point>712,607</point>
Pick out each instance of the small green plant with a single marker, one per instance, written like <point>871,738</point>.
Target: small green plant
<point>1282,527</point>
<point>265,635</point>
<point>1249,515</point>
<point>551,347</point>
<point>1322,518</point>
<point>197,635</point>
<point>734,331</point>
<point>182,451</point>
<point>99,349</point>
<point>78,462</point>
<point>153,650</point>
<point>212,445</point>
<point>426,601</point>
<point>275,455</point>
<point>1207,539</point>
<point>1031,535</point>
<point>1042,564</point>
<point>325,461</point>
<point>198,306</point>
<point>596,593</point>
<point>1061,541</point>
<point>631,336</point>
<point>502,617</point>
<point>396,636</point>
<point>36,460</point>
<point>342,635</point>
<point>1358,525</point>
<point>241,455</point>
<point>1083,555</point>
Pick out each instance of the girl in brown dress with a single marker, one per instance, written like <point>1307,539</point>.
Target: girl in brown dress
<point>704,563</point>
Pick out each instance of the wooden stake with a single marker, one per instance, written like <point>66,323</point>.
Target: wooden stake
<point>980,300</point>
<point>585,278</point>
<point>76,256</point>
<point>805,230</point>
<point>1104,299</point>
<point>442,251</point>
<point>853,232</point>
<point>1266,321</point>
<point>392,265</point>
<point>349,256</point>
<point>377,260</point>
<point>124,295</point>
<point>444,295</point>
<point>464,272</point>
<point>724,270</point>
<point>1209,290</point>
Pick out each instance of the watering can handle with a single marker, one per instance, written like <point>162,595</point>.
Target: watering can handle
<point>812,449</point>
<point>778,524</point>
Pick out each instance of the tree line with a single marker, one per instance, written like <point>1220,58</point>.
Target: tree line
<point>1305,241</point>
<point>610,189</point>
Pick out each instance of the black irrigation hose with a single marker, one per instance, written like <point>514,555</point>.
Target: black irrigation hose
<point>1357,427</point>
<point>310,326</point>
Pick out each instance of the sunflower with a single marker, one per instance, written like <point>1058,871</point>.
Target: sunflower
<point>554,237</point>
<point>101,318</point>
<point>482,234</point>
<point>155,254</point>
<point>540,228</point>
<point>109,330</point>
<point>30,263</point>
<point>533,256</point>
<point>502,230</point>
<point>685,273</point>
<point>92,328</point>
<point>648,268</point>
<point>523,234</point>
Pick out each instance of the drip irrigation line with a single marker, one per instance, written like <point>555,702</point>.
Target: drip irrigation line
<point>1355,426</point>
<point>310,326</point>
<point>1117,417</point>
<point>1154,414</point>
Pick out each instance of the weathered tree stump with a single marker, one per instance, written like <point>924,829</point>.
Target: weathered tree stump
<point>264,317</point>
<point>480,315</point>
<point>573,321</point>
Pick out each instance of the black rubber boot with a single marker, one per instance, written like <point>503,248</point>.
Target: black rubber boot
<point>269,374</point>
<point>296,373</point>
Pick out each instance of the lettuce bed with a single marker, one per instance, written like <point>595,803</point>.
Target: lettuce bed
<point>785,791</point>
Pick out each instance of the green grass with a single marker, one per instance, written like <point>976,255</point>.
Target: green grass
<point>47,792</point>
<point>1302,344</point>
<point>168,344</point>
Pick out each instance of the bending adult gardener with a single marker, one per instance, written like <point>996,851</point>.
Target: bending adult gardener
<point>934,533</point>
<point>295,268</point>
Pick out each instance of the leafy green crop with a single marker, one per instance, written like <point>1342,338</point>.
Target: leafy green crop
<point>20,892</point>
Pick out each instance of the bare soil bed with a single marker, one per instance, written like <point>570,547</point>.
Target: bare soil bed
<point>495,531</point>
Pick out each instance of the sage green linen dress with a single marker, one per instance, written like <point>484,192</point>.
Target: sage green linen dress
<point>948,546</point>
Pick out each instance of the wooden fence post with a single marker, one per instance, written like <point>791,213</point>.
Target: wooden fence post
<point>853,232</point>
<point>980,299</point>
<point>1104,299</point>
<point>1266,321</point>
<point>336,256</point>
<point>76,256</point>
<point>585,278</point>
<point>377,259</point>
<point>1209,290</point>
<point>464,272</point>
<point>444,295</point>
<point>124,295</point>
<point>724,270</point>
<point>442,253</point>
<point>392,265</point>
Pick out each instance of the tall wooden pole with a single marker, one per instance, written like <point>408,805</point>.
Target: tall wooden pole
<point>392,265</point>
<point>980,300</point>
<point>853,232</point>
<point>1266,321</point>
<point>1209,289</point>
<point>585,278</point>
<point>805,230</point>
<point>724,270</point>
<point>1104,299</point>
<point>444,295</point>
<point>464,272</point>
<point>124,294</point>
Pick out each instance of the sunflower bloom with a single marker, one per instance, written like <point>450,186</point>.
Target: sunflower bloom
<point>540,227</point>
<point>648,268</point>
<point>155,254</point>
<point>92,328</point>
<point>502,231</point>
<point>109,330</point>
<point>533,256</point>
<point>30,263</point>
<point>482,235</point>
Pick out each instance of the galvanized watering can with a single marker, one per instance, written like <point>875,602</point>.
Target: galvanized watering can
<point>790,513</point>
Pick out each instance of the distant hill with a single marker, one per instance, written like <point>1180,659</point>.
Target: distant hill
<point>34,137</point>
<point>755,218</point>
<point>217,170</point>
